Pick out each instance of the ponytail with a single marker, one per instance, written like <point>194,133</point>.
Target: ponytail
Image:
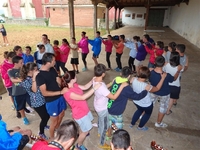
<point>26,69</point>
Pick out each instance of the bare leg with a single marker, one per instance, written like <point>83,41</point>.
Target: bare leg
<point>160,117</point>
<point>81,138</point>
<point>109,132</point>
<point>95,61</point>
<point>171,101</point>
<point>22,113</point>
<point>60,117</point>
<point>77,67</point>
<point>54,122</point>
<point>73,66</point>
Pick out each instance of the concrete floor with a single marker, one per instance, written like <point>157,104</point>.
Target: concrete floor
<point>183,132</point>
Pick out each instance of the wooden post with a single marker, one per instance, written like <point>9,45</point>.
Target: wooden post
<point>147,16</point>
<point>107,20</point>
<point>71,17</point>
<point>115,18</point>
<point>95,18</point>
<point>118,22</point>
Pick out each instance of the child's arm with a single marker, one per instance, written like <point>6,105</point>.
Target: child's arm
<point>148,50</point>
<point>186,65</point>
<point>159,85</point>
<point>131,81</point>
<point>86,86</point>
<point>114,96</point>
<point>109,84</point>
<point>86,95</point>
<point>159,52</point>
<point>91,42</point>
<point>177,73</point>
<point>34,85</point>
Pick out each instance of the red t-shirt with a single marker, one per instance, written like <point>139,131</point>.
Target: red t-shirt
<point>43,145</point>
<point>57,53</point>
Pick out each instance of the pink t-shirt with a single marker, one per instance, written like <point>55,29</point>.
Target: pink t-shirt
<point>79,107</point>
<point>100,98</point>
<point>109,45</point>
<point>65,53</point>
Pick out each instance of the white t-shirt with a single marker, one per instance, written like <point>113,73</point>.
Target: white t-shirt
<point>39,57</point>
<point>172,70</point>
<point>48,48</point>
<point>138,87</point>
<point>100,97</point>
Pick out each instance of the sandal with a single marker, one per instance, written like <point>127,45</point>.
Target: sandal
<point>175,104</point>
<point>169,112</point>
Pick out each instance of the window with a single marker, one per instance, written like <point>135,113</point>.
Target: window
<point>127,15</point>
<point>139,15</point>
<point>133,16</point>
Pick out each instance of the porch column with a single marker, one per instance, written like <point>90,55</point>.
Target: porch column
<point>107,20</point>
<point>119,11</point>
<point>71,17</point>
<point>147,16</point>
<point>95,18</point>
<point>115,18</point>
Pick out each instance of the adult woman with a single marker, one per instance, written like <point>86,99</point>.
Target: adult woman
<point>64,53</point>
<point>28,74</point>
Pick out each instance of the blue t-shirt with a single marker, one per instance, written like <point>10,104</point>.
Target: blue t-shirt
<point>27,58</point>
<point>155,79</point>
<point>96,45</point>
<point>141,53</point>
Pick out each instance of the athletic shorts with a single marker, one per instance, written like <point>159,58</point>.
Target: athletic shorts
<point>74,61</point>
<point>9,91</point>
<point>117,120</point>
<point>137,63</point>
<point>85,122</point>
<point>55,107</point>
<point>22,143</point>
<point>175,92</point>
<point>20,101</point>
<point>95,56</point>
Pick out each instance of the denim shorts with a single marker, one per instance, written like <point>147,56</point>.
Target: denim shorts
<point>117,120</point>
<point>55,107</point>
<point>85,122</point>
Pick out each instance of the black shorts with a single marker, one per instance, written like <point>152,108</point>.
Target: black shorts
<point>20,101</point>
<point>74,61</point>
<point>175,92</point>
<point>9,91</point>
<point>24,140</point>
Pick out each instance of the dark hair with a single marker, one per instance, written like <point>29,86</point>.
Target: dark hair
<point>122,36</point>
<point>47,57</point>
<point>40,46</point>
<point>160,61</point>
<point>166,48</point>
<point>98,32</point>
<point>45,35</point>
<point>137,38</point>
<point>181,47</point>
<point>99,70</point>
<point>174,59</point>
<point>160,44</point>
<point>16,48</point>
<point>110,36</point>
<point>56,42</point>
<point>173,46</point>
<point>146,36</point>
<point>26,68</point>
<point>121,139</point>
<point>83,32</point>
<point>16,59</point>
<point>11,55</point>
<point>144,72</point>
<point>73,38</point>
<point>67,130</point>
<point>5,54</point>
<point>67,77</point>
<point>126,71</point>
<point>65,40</point>
<point>28,47</point>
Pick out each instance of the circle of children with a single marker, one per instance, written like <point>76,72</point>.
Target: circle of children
<point>37,81</point>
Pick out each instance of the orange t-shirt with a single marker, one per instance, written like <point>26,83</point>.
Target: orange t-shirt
<point>120,48</point>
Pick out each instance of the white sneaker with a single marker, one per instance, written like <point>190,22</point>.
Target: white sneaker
<point>161,125</point>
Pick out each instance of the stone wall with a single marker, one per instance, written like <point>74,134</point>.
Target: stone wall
<point>37,22</point>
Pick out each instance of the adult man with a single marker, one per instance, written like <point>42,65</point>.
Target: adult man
<point>48,47</point>
<point>48,82</point>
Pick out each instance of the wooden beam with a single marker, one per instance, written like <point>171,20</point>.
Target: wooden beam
<point>95,18</point>
<point>115,18</point>
<point>71,17</point>
<point>107,20</point>
<point>147,17</point>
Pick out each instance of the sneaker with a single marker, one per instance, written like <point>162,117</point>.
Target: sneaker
<point>84,69</point>
<point>95,125</point>
<point>26,110</point>
<point>46,127</point>
<point>77,72</point>
<point>105,146</point>
<point>43,136</point>
<point>13,107</point>
<point>118,70</point>
<point>131,126</point>
<point>25,120</point>
<point>81,147</point>
<point>18,115</point>
<point>161,125</point>
<point>143,128</point>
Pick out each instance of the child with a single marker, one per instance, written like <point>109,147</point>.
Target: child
<point>172,68</point>
<point>145,105</point>
<point>19,93</point>
<point>156,51</point>
<point>171,48</point>
<point>133,46</point>
<point>96,47</point>
<point>102,94</point>
<point>4,34</point>
<point>108,48</point>
<point>77,100</point>
<point>121,140</point>
<point>119,51</point>
<point>27,57</point>
<point>28,74</point>
<point>64,53</point>
<point>74,51</point>
<point>116,107</point>
<point>7,65</point>
<point>18,50</point>
<point>39,54</point>
<point>180,48</point>
<point>164,93</point>
<point>83,44</point>
<point>57,55</point>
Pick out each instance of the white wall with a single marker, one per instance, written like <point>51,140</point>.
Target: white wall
<point>185,20</point>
